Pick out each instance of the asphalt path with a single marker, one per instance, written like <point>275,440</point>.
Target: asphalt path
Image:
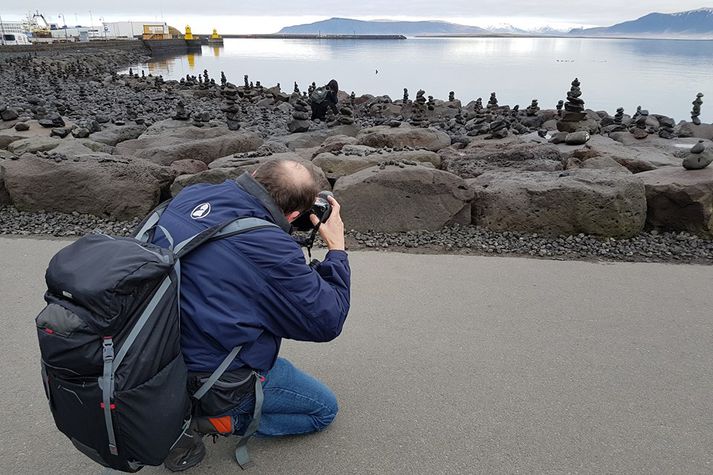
<point>450,364</point>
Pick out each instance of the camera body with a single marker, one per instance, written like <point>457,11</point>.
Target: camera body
<point>321,208</point>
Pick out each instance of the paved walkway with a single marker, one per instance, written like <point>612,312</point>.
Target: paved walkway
<point>451,364</point>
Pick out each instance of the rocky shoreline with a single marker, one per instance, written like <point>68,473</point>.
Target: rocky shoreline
<point>682,248</point>
<point>84,149</point>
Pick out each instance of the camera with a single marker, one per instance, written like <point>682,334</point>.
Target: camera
<point>321,208</point>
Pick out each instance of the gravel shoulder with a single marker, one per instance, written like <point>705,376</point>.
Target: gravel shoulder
<point>679,248</point>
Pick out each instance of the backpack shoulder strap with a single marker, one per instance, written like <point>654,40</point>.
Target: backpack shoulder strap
<point>217,373</point>
<point>150,222</point>
<point>221,231</point>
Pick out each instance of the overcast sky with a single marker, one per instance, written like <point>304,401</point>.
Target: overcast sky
<point>233,16</point>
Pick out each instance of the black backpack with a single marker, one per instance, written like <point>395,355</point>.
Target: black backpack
<point>109,337</point>
<point>319,95</point>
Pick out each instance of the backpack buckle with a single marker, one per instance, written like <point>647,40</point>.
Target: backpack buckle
<point>108,348</point>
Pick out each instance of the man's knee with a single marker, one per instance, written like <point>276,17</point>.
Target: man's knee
<point>328,412</point>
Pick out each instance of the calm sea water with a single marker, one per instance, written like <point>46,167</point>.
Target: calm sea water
<point>663,76</point>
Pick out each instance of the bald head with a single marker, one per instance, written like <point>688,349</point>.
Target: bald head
<point>292,185</point>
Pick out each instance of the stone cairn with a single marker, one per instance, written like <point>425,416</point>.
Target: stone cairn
<point>574,109</point>
<point>559,106</point>
<point>451,96</point>
<point>696,112</point>
<point>478,104</point>
<point>431,103</point>
<point>698,157</point>
<point>533,109</point>
<point>202,118</point>
<point>498,129</point>
<point>405,99</point>
<point>296,90</point>
<point>352,99</point>
<point>639,125</point>
<point>345,117</point>
<point>223,79</point>
<point>459,118</point>
<point>246,83</point>
<point>231,109</point>
<point>181,113</point>
<point>619,116</point>
<point>300,117</point>
<point>492,102</point>
<point>419,118</point>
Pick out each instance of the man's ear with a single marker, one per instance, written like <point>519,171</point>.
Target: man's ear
<point>292,216</point>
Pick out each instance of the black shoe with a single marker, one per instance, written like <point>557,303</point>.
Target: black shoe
<point>188,452</point>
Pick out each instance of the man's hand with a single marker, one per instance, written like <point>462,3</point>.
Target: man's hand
<point>332,231</point>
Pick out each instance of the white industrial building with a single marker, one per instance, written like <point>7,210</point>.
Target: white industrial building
<point>78,33</point>
<point>13,33</point>
<point>133,29</point>
<point>12,27</point>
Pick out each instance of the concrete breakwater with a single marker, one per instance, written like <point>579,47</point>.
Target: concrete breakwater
<point>77,138</point>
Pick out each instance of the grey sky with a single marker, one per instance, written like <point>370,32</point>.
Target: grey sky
<point>482,12</point>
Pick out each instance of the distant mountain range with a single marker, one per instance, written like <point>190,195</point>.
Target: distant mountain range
<point>347,26</point>
<point>691,24</point>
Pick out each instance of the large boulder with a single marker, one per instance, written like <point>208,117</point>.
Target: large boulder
<point>481,156</point>
<point>403,198</point>
<point>645,155</point>
<point>8,136</point>
<point>211,176</point>
<point>689,129</point>
<point>384,136</point>
<point>34,145</point>
<point>189,167</point>
<point>250,163</point>
<point>237,166</point>
<point>34,130</point>
<point>163,126</point>
<point>595,162</point>
<point>680,199</point>
<point>338,165</point>
<point>102,185</point>
<point>95,146</point>
<point>118,133</point>
<point>4,195</point>
<point>335,144</point>
<point>595,202</point>
<point>315,138</point>
<point>190,143</point>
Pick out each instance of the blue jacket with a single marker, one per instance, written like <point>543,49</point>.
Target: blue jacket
<point>252,289</point>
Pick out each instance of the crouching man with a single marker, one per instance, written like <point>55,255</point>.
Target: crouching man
<point>252,290</point>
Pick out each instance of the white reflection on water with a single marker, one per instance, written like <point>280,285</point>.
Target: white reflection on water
<point>275,49</point>
<point>660,75</point>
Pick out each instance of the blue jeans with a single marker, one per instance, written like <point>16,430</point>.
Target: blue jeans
<point>295,403</point>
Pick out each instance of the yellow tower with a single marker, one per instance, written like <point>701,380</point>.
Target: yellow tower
<point>188,35</point>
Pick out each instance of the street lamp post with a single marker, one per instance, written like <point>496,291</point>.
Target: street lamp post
<point>2,32</point>
<point>65,26</point>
